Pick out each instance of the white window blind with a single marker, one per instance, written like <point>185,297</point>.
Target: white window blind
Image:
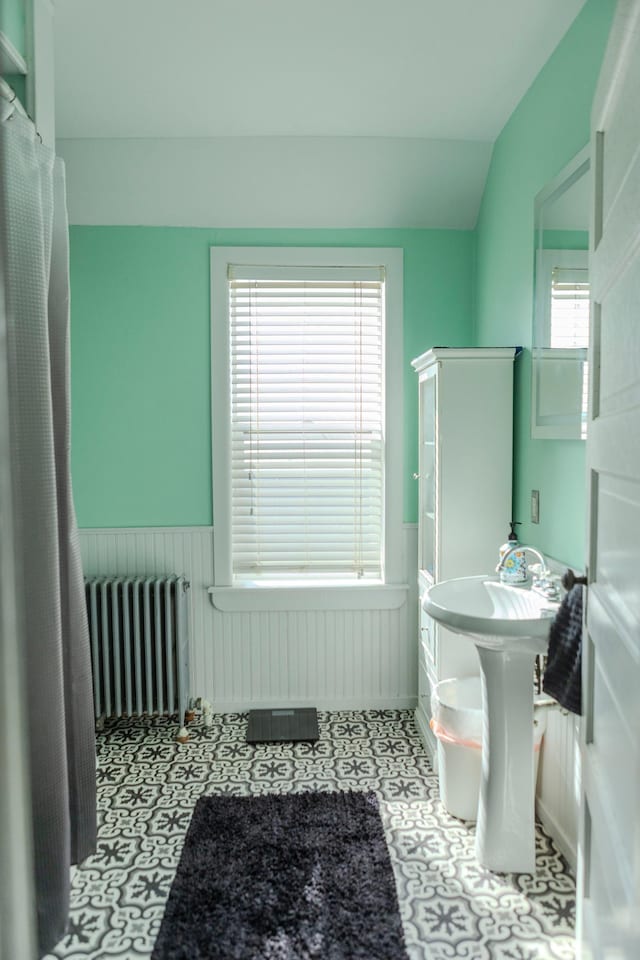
<point>307,422</point>
<point>569,307</point>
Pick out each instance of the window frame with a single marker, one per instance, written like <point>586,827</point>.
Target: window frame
<point>555,426</point>
<point>304,592</point>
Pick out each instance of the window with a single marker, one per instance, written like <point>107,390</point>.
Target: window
<point>306,384</point>
<point>569,310</point>
<point>560,382</point>
<point>569,321</point>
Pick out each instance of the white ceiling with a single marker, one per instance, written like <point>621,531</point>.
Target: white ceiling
<point>445,69</point>
<point>244,182</point>
<point>431,70</point>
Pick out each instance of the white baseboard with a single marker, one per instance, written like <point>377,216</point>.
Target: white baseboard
<point>242,706</point>
<point>427,737</point>
<point>563,842</point>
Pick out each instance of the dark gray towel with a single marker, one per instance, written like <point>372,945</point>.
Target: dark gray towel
<point>563,674</point>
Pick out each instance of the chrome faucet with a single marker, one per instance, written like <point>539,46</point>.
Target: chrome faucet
<point>543,581</point>
<point>523,546</point>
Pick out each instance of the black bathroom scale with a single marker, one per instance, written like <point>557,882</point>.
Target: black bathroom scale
<point>269,726</point>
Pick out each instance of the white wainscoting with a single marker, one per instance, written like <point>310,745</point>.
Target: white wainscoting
<point>558,789</point>
<point>558,786</point>
<point>332,659</point>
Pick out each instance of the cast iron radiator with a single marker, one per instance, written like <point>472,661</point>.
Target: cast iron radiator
<point>139,645</point>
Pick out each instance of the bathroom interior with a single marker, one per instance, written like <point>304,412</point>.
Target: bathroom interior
<point>206,138</point>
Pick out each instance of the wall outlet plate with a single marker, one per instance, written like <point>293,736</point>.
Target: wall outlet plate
<point>535,506</point>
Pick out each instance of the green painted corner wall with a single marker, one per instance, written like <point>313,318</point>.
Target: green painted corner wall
<point>140,325</point>
<point>140,351</point>
<point>12,23</point>
<point>565,240</point>
<point>549,126</point>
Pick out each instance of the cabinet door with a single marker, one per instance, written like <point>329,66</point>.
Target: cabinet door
<point>428,464</point>
<point>427,651</point>
<point>609,848</point>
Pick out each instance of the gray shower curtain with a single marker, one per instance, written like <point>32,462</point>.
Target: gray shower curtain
<point>34,234</point>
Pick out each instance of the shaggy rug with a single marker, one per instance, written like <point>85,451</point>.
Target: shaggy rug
<point>283,877</point>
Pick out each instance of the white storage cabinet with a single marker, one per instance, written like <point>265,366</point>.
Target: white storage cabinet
<point>465,477</point>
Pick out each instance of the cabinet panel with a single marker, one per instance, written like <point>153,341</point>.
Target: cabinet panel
<point>427,465</point>
<point>427,649</point>
<point>465,437</point>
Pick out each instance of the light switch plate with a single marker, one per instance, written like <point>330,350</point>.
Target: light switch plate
<point>535,506</point>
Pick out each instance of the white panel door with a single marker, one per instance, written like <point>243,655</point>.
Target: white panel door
<point>609,854</point>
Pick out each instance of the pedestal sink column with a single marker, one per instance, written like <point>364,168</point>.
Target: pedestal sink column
<point>505,833</point>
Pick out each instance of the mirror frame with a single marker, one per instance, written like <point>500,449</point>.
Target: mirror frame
<point>577,168</point>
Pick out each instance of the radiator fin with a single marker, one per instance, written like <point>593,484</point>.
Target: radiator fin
<point>139,645</point>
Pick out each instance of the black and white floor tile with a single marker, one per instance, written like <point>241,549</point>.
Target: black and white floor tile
<point>451,908</point>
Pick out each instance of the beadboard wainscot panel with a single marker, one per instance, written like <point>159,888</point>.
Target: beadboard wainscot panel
<point>160,550</point>
<point>558,785</point>
<point>332,659</point>
<point>558,788</point>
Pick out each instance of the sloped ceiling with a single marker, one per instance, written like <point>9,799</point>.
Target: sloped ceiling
<point>340,113</point>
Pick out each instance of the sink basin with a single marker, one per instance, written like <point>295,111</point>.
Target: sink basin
<point>509,627</point>
<point>494,614</point>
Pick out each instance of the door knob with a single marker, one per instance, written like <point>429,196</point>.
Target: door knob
<point>569,580</point>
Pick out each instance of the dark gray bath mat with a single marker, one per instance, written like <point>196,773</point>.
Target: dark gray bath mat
<point>267,726</point>
<point>283,877</point>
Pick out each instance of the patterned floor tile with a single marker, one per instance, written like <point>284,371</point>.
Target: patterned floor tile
<point>452,909</point>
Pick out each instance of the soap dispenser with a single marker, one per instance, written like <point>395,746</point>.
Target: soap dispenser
<point>514,569</point>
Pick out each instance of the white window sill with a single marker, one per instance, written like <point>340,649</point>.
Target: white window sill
<point>318,597</point>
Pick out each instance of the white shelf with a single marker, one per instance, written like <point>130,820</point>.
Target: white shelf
<point>461,353</point>
<point>11,61</point>
<point>376,596</point>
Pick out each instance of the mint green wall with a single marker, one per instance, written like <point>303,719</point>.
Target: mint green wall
<point>565,240</point>
<point>12,24</point>
<point>140,325</point>
<point>17,82</point>
<point>12,14</point>
<point>141,365</point>
<point>549,126</point>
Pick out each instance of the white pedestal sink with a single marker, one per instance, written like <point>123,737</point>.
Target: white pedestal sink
<point>509,626</point>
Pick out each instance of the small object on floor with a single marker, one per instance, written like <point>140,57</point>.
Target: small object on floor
<point>284,876</point>
<point>207,717</point>
<point>269,726</point>
<point>183,735</point>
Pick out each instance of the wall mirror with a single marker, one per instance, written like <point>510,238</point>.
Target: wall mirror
<point>560,339</point>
